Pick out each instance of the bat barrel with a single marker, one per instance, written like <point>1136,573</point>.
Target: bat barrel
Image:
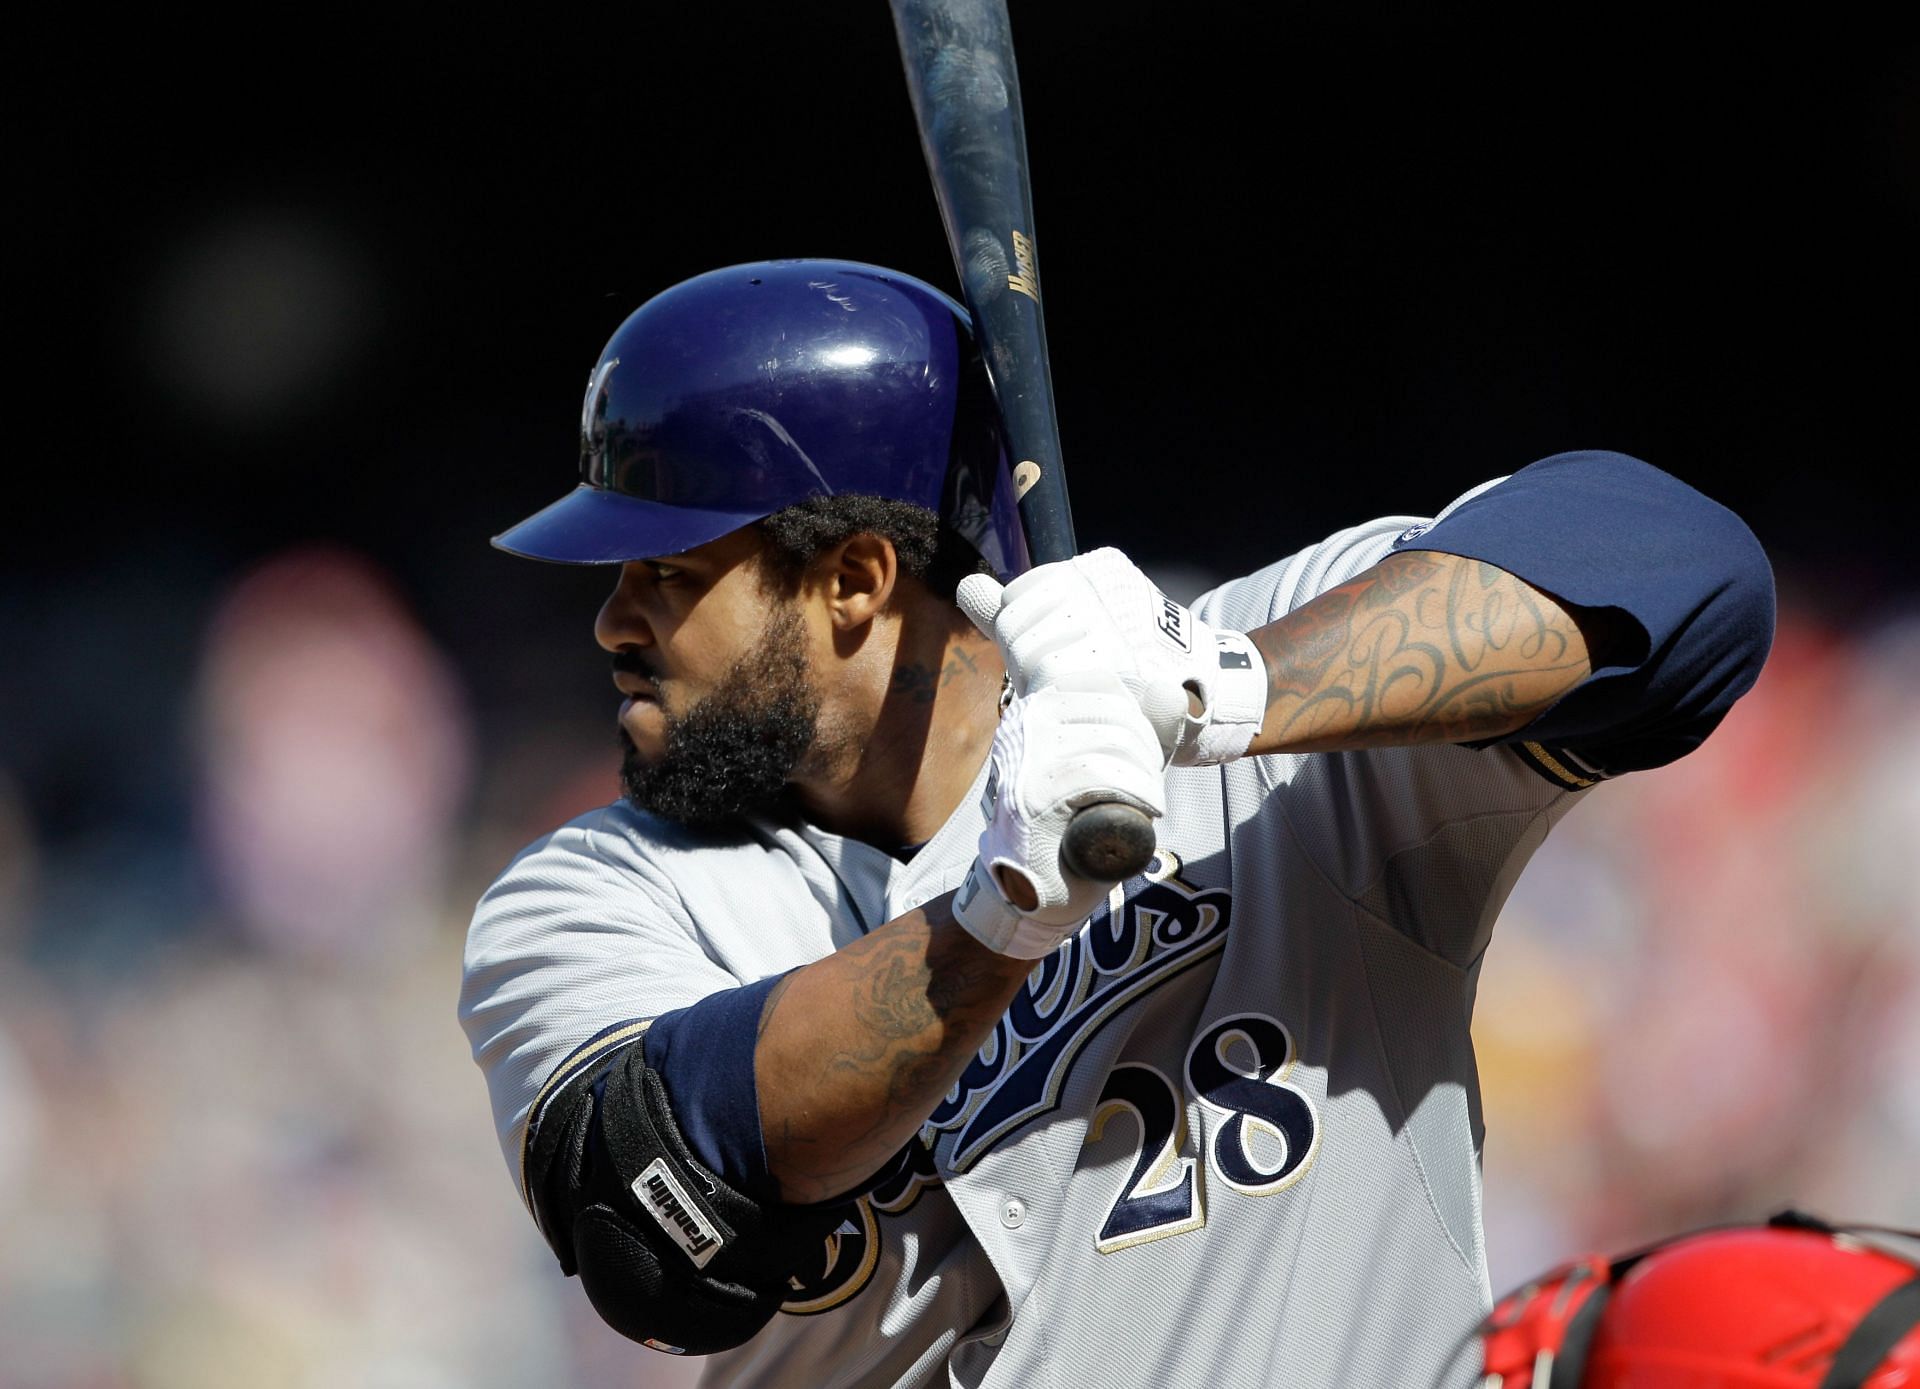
<point>958,56</point>
<point>966,96</point>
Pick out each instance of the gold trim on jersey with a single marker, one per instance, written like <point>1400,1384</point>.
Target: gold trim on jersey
<point>1536,756</point>
<point>855,1281</point>
<point>577,1060</point>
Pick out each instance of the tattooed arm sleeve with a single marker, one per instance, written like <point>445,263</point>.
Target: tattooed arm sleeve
<point>1591,609</point>
<point>1422,648</point>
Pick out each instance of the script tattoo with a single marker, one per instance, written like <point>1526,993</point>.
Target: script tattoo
<point>1422,648</point>
<point>920,683</point>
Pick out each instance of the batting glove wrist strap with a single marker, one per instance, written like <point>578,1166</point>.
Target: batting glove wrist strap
<point>1233,690</point>
<point>994,921</point>
<point>1081,741</point>
<point>1098,612</point>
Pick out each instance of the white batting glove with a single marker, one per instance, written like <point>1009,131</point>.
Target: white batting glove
<point>1080,741</point>
<point>1098,612</point>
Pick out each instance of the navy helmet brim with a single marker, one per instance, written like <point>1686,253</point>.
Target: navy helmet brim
<point>591,525</point>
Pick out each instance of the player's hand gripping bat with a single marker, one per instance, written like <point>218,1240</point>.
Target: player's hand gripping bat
<point>966,97</point>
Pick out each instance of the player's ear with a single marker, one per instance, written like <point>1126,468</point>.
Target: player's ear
<point>857,578</point>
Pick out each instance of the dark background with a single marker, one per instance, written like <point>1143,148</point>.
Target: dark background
<point>342,280</point>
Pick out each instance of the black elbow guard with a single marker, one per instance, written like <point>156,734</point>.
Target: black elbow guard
<point>668,1254</point>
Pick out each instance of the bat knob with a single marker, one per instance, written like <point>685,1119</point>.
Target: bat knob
<point>1108,843</point>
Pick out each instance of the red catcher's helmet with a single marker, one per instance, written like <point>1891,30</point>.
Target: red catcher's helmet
<point>1794,1304</point>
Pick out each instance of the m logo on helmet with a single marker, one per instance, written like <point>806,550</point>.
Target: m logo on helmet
<point>593,412</point>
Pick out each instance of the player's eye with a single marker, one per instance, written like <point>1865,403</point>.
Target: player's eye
<point>662,572</point>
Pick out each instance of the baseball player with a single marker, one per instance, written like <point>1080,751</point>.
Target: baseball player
<point>808,1055</point>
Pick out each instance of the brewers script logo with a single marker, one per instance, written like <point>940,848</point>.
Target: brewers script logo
<point>1151,929</point>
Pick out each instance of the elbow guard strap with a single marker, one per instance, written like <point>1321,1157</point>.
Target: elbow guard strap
<point>668,1254</point>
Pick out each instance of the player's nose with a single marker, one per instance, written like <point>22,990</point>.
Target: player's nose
<point>621,625</point>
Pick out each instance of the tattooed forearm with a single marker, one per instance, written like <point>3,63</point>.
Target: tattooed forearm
<point>855,1050</point>
<point>1422,648</point>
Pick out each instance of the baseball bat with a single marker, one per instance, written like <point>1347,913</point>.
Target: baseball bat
<point>966,99</point>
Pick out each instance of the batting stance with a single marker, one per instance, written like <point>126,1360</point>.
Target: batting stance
<point>808,1056</point>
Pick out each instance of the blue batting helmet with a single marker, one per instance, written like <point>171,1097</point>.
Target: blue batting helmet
<point>745,390</point>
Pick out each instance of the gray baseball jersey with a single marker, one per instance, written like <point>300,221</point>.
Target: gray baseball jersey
<point>1229,1133</point>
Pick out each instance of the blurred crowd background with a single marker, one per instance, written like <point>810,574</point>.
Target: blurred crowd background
<point>299,325</point>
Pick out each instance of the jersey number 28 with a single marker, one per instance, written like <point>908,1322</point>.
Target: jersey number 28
<point>1261,1133</point>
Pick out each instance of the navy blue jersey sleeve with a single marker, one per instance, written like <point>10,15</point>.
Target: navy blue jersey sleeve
<point>1601,530</point>
<point>704,1056</point>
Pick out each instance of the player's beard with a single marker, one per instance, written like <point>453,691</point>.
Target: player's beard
<point>733,752</point>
